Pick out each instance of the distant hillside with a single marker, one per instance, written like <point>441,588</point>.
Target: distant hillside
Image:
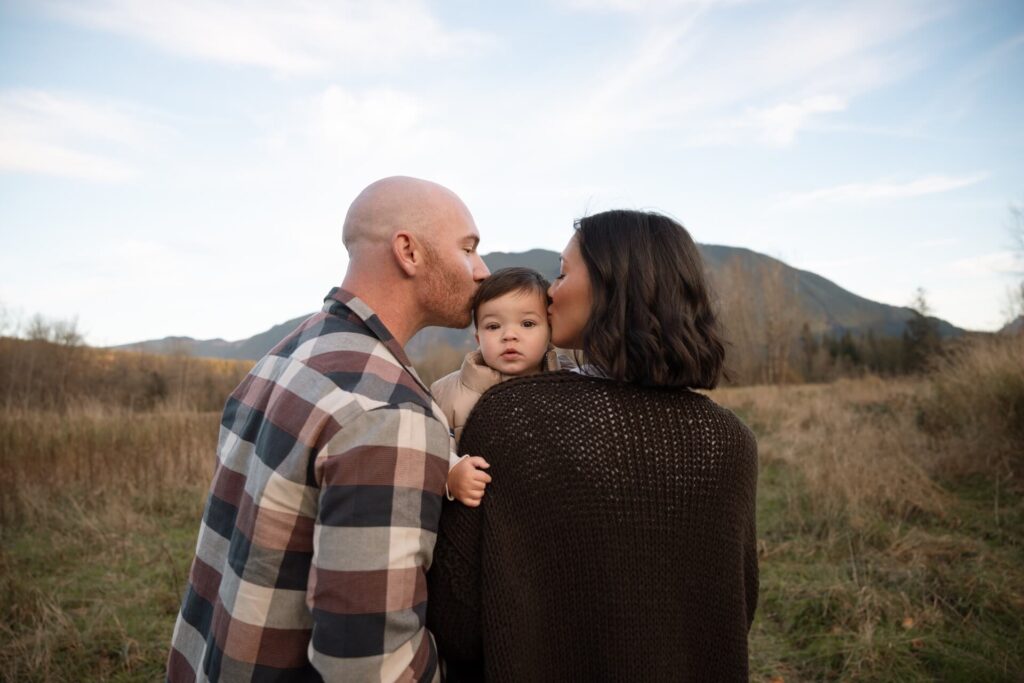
<point>252,348</point>
<point>1016,327</point>
<point>738,275</point>
<point>823,304</point>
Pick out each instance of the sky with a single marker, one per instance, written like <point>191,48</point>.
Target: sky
<point>183,167</point>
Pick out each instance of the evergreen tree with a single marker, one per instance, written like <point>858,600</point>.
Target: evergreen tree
<point>921,335</point>
<point>848,349</point>
<point>809,349</point>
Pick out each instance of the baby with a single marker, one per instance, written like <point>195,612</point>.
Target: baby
<point>510,311</point>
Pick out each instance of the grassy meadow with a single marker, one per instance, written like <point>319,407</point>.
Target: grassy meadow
<point>891,523</point>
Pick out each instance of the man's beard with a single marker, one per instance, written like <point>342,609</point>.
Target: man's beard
<point>446,294</point>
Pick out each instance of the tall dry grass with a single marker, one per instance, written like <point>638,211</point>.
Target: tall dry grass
<point>856,444</point>
<point>877,562</point>
<point>104,461</point>
<point>891,522</point>
<point>872,446</point>
<point>97,452</point>
<point>98,512</point>
<point>975,407</point>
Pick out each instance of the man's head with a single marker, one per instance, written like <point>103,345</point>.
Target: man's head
<point>510,313</point>
<point>416,239</point>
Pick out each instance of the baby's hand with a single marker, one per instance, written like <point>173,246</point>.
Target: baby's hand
<point>467,480</point>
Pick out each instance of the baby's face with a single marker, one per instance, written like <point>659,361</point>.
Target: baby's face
<point>513,332</point>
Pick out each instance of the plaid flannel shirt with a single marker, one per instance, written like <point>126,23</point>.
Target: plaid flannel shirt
<point>321,520</point>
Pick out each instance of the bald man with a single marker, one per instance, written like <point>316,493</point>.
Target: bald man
<point>320,524</point>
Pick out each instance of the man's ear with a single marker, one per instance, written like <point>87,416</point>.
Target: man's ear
<point>408,252</point>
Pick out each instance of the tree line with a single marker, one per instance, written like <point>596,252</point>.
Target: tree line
<point>49,367</point>
<point>773,342</point>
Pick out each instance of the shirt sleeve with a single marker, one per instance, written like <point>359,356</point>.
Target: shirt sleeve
<point>381,477</point>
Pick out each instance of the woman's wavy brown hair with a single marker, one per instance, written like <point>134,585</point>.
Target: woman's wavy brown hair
<point>651,320</point>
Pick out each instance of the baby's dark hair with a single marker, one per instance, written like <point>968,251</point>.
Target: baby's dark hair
<point>506,280</point>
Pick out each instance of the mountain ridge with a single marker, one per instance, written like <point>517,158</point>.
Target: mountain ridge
<point>738,275</point>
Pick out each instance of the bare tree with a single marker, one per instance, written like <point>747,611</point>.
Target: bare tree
<point>780,326</point>
<point>810,345</point>
<point>182,355</point>
<point>7,326</point>
<point>65,333</point>
<point>921,335</point>
<point>1013,307</point>
<point>760,311</point>
<point>738,311</point>
<point>39,329</point>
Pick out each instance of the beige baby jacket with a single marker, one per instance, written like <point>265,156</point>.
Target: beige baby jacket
<point>458,392</point>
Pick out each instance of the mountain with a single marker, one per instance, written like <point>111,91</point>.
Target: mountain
<point>1014,327</point>
<point>824,305</point>
<point>743,279</point>
<point>252,348</point>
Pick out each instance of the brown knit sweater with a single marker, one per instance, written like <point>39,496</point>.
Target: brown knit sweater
<point>616,542</point>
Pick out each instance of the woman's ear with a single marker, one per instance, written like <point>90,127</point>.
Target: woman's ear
<point>408,252</point>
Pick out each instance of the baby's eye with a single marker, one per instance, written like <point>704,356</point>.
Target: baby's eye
<point>491,326</point>
<point>529,323</point>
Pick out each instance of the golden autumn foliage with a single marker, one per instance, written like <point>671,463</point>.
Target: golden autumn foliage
<point>37,374</point>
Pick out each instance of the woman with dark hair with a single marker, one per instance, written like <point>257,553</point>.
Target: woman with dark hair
<point>617,539</point>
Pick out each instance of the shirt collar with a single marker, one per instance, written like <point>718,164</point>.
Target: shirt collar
<point>357,306</point>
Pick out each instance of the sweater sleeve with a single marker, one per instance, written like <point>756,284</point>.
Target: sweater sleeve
<point>751,573</point>
<point>453,606</point>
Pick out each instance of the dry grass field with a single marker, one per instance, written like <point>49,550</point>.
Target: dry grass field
<point>891,527</point>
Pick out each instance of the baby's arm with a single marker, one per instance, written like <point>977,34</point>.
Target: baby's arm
<point>467,480</point>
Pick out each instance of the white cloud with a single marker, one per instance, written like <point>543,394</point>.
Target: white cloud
<point>689,75</point>
<point>860,192</point>
<point>289,38</point>
<point>64,135</point>
<point>938,242</point>
<point>356,122</point>
<point>344,134</point>
<point>776,125</point>
<point>997,262</point>
<point>633,92</point>
<point>779,124</point>
<point>641,6</point>
<point>26,156</point>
